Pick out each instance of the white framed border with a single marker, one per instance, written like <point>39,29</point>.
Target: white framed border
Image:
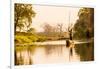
<point>12,33</point>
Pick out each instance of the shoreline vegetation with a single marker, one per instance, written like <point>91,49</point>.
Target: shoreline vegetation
<point>28,38</point>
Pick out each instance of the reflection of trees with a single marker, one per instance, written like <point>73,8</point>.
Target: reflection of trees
<point>53,49</point>
<point>86,51</point>
<point>24,52</point>
<point>18,59</point>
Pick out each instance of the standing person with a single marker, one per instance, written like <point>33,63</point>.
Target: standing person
<point>68,42</point>
<point>70,34</point>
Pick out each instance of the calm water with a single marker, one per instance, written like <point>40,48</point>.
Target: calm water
<point>28,55</point>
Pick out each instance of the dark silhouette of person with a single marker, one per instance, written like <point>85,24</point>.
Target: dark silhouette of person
<point>70,38</point>
<point>70,34</point>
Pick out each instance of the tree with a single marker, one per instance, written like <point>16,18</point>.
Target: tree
<point>84,27</point>
<point>23,14</point>
<point>47,28</point>
<point>60,29</point>
<point>31,30</point>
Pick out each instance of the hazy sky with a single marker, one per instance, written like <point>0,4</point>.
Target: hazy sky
<point>53,15</point>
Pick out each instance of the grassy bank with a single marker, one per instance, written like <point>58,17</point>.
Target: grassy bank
<point>22,38</point>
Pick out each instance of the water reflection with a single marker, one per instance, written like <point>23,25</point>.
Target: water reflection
<point>23,56</point>
<point>85,51</point>
<point>29,55</point>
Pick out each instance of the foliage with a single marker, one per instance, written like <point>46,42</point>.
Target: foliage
<point>41,38</point>
<point>33,38</point>
<point>23,14</point>
<point>23,37</point>
<point>84,27</point>
<point>47,28</point>
<point>31,30</point>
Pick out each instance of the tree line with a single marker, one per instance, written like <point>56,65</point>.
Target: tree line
<point>84,26</point>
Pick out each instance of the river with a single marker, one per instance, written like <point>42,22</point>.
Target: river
<point>47,53</point>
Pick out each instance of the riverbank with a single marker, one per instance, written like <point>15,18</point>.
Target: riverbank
<point>54,43</point>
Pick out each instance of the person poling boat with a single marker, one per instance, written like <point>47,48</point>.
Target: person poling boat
<point>70,40</point>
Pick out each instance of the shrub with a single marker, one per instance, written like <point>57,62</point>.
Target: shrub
<point>41,38</point>
<point>22,39</point>
<point>33,38</point>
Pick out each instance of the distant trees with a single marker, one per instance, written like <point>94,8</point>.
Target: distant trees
<point>23,14</point>
<point>60,26</point>
<point>84,27</point>
<point>47,28</point>
<point>54,32</point>
<point>52,29</point>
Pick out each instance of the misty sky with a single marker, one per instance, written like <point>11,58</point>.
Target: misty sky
<point>53,15</point>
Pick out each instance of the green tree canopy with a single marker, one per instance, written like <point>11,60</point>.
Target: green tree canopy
<point>23,14</point>
<point>84,27</point>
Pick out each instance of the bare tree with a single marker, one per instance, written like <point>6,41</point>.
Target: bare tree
<point>60,26</point>
<point>47,28</point>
